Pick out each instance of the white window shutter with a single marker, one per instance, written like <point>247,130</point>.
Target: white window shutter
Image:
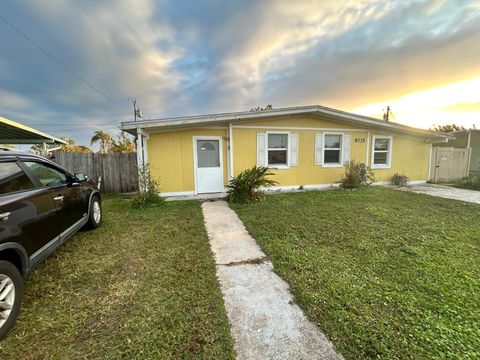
<point>347,141</point>
<point>293,149</point>
<point>261,149</point>
<point>318,149</point>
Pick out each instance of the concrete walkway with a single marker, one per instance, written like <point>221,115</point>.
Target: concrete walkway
<point>445,192</point>
<point>265,323</point>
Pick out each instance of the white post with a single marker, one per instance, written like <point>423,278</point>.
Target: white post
<point>140,160</point>
<point>230,149</point>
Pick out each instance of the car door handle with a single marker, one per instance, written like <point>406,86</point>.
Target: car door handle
<point>4,216</point>
<point>59,198</point>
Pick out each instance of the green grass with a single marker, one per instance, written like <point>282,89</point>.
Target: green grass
<point>142,286</point>
<point>384,273</point>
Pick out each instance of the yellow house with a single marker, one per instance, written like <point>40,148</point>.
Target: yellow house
<point>304,146</point>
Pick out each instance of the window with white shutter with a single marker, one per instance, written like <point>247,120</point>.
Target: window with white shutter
<point>318,149</point>
<point>261,149</point>
<point>347,141</point>
<point>293,149</point>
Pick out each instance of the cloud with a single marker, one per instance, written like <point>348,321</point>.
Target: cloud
<point>178,58</point>
<point>117,45</point>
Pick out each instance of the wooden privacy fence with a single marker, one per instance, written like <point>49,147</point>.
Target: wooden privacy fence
<point>118,171</point>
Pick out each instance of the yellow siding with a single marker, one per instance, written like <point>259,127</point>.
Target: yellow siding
<point>409,156</point>
<point>171,153</point>
<point>170,156</point>
<point>306,173</point>
<point>300,121</point>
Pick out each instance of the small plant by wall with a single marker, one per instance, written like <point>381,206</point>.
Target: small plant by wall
<point>246,186</point>
<point>400,179</point>
<point>149,193</point>
<point>356,175</point>
<point>471,182</point>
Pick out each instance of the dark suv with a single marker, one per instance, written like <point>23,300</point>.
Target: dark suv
<point>41,206</point>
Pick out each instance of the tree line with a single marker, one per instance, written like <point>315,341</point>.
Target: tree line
<point>107,144</point>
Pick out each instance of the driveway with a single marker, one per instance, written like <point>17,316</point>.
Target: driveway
<point>445,192</point>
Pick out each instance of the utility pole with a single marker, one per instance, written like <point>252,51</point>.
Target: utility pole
<point>134,102</point>
<point>136,112</point>
<point>386,115</point>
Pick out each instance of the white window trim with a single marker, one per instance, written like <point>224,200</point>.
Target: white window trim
<point>273,166</point>
<point>388,165</point>
<point>332,165</point>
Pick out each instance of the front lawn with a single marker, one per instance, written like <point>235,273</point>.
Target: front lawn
<point>384,273</point>
<point>143,286</point>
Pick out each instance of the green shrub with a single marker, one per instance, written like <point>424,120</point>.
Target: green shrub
<point>471,182</point>
<point>356,175</point>
<point>245,187</point>
<point>149,193</point>
<point>400,179</point>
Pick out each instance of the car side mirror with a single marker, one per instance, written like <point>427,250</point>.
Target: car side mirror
<point>79,177</point>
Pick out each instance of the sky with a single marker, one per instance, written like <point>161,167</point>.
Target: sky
<point>182,57</point>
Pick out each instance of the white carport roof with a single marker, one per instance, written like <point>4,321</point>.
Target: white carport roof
<point>12,132</point>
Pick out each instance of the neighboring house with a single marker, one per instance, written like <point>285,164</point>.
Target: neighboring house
<point>468,139</point>
<point>305,146</point>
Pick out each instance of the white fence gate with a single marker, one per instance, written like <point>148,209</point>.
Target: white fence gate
<point>449,163</point>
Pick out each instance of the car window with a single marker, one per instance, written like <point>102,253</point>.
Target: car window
<point>12,178</point>
<point>47,175</point>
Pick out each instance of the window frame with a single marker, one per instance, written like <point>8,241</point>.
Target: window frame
<point>287,149</point>
<point>340,163</point>
<point>388,165</point>
<point>28,175</point>
<point>36,181</point>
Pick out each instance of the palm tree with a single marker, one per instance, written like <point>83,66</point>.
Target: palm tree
<point>104,138</point>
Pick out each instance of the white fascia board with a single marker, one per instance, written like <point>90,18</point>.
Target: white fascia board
<point>302,110</point>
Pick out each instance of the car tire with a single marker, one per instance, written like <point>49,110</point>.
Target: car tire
<point>95,213</point>
<point>11,295</point>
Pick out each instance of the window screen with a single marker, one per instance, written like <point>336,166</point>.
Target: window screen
<point>12,178</point>
<point>381,151</point>
<point>332,149</point>
<point>47,175</point>
<point>208,153</point>
<point>277,149</point>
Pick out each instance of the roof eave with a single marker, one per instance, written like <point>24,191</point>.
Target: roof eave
<point>131,126</point>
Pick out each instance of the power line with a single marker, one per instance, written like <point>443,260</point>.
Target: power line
<point>60,94</point>
<point>53,58</point>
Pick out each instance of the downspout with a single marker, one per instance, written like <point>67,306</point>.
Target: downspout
<point>230,149</point>
<point>469,151</point>
<point>140,159</point>
<point>430,165</point>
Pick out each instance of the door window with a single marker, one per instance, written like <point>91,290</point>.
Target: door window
<point>47,175</point>
<point>208,153</point>
<point>12,178</point>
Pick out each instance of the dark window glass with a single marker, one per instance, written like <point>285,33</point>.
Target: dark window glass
<point>277,157</point>
<point>381,144</point>
<point>333,141</point>
<point>12,178</point>
<point>380,158</point>
<point>47,175</point>
<point>332,157</point>
<point>277,141</point>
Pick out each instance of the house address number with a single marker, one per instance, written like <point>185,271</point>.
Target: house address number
<point>360,140</point>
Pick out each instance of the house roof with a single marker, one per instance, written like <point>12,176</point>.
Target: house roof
<point>312,110</point>
<point>12,132</point>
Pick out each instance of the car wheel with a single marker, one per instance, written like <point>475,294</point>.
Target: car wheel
<point>11,294</point>
<point>95,214</point>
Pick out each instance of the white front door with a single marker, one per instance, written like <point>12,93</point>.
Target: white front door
<point>208,164</point>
